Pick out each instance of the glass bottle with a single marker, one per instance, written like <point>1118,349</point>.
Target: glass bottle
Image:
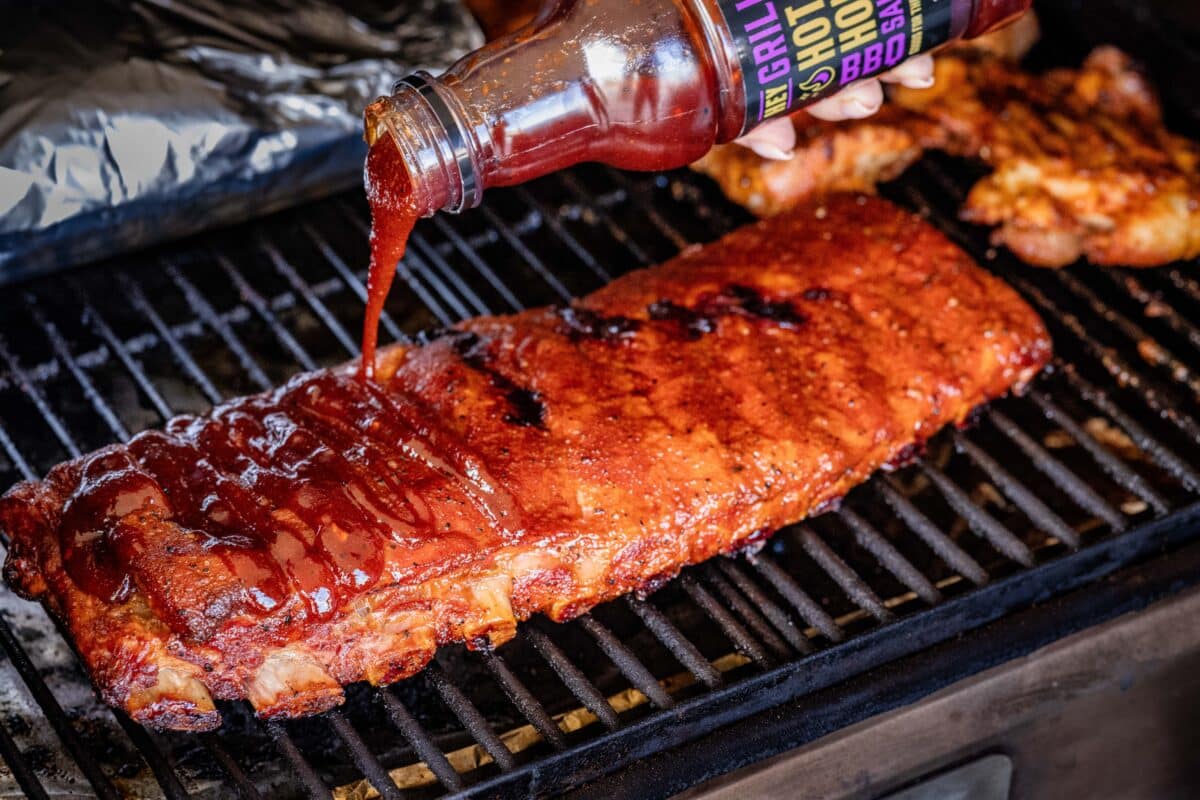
<point>637,84</point>
<point>645,84</point>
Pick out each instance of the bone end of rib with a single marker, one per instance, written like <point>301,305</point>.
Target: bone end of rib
<point>177,700</point>
<point>291,682</point>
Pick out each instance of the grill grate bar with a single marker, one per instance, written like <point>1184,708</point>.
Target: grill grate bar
<point>1152,306</point>
<point>616,231</point>
<point>34,393</point>
<point>310,781</point>
<point>550,217</point>
<point>809,609</point>
<point>139,301</point>
<point>245,788</point>
<point>679,646</point>
<point>1150,391</point>
<point>1162,455</point>
<point>1037,511</point>
<point>733,629</point>
<point>301,287</point>
<point>1145,345</point>
<point>980,521</point>
<point>414,269</point>
<point>1085,496</point>
<point>527,255</point>
<point>356,286</point>
<point>627,662</point>
<point>54,712</point>
<point>98,325</point>
<point>937,541</point>
<point>14,455</point>
<point>444,318</point>
<point>1116,468</point>
<point>425,749</point>
<point>262,308</point>
<point>746,611</point>
<point>637,195</point>
<point>63,351</point>
<point>1184,283</point>
<point>525,702</point>
<point>477,263</point>
<point>573,679</point>
<point>889,557</point>
<point>19,767</point>
<point>163,772</point>
<point>430,255</point>
<point>363,758</point>
<point>224,331</point>
<point>59,722</point>
<point>841,573</point>
<point>778,617</point>
<point>470,717</point>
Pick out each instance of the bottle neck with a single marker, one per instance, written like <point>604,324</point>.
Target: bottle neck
<point>430,131</point>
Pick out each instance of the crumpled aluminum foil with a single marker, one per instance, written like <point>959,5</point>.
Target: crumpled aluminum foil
<point>127,123</point>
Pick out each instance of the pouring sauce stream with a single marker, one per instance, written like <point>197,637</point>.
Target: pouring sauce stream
<point>393,214</point>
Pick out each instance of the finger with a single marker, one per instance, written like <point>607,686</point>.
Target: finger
<point>860,100</point>
<point>773,140</point>
<point>916,73</point>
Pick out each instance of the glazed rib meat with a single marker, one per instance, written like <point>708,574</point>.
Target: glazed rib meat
<point>333,530</point>
<point>1083,165</point>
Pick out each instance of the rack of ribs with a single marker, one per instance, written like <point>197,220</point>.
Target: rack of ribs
<point>337,530</point>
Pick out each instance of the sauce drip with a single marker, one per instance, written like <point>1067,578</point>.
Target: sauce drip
<point>393,215</point>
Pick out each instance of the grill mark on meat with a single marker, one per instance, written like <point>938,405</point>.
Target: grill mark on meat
<point>656,456</point>
<point>751,302</point>
<point>695,323</point>
<point>525,404</point>
<point>582,323</point>
<point>736,299</point>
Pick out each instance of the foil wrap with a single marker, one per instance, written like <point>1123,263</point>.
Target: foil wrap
<point>127,123</point>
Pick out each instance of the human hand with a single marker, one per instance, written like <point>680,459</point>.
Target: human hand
<point>776,139</point>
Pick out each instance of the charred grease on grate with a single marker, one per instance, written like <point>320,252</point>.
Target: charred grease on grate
<point>525,404</point>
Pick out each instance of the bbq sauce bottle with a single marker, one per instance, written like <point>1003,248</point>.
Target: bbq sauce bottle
<point>637,84</point>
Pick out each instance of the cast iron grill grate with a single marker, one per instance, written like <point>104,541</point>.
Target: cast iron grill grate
<point>1089,471</point>
<point>1102,446</point>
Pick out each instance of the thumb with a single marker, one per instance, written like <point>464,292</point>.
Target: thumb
<point>772,140</point>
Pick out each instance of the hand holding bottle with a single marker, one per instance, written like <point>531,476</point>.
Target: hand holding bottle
<point>777,138</point>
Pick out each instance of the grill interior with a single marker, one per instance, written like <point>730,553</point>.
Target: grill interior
<point>1036,498</point>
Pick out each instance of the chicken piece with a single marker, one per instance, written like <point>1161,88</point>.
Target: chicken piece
<point>848,156</point>
<point>336,530</point>
<point>1083,165</point>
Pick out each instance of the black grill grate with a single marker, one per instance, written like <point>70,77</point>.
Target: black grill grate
<point>1101,447</point>
<point>1090,471</point>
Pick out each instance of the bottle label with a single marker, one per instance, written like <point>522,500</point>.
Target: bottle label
<point>794,52</point>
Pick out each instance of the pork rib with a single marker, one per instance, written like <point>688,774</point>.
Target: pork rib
<point>332,531</point>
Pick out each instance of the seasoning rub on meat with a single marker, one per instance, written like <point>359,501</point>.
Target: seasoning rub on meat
<point>334,530</point>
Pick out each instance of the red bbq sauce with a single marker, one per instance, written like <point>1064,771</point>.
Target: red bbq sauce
<point>393,214</point>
